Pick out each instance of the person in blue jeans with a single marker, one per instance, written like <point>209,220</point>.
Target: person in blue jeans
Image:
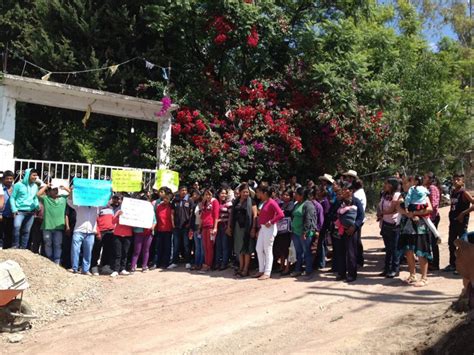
<point>304,226</point>
<point>83,236</point>
<point>24,203</point>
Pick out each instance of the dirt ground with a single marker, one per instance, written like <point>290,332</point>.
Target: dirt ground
<point>180,312</point>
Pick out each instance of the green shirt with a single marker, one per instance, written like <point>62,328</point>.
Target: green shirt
<point>297,221</point>
<point>54,212</point>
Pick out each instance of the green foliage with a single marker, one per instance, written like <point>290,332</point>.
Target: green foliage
<point>365,89</point>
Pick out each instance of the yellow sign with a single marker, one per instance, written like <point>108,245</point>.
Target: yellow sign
<point>127,180</point>
<point>168,178</point>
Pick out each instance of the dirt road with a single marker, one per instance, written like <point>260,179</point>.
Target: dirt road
<point>179,312</point>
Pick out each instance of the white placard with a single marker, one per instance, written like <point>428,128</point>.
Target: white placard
<point>136,213</point>
<point>57,183</point>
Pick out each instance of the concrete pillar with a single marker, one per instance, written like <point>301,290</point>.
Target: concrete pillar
<point>163,144</point>
<point>7,130</point>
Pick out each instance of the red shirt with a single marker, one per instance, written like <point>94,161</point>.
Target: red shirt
<point>120,230</point>
<point>163,218</point>
<point>209,213</point>
<point>434,199</point>
<point>270,212</point>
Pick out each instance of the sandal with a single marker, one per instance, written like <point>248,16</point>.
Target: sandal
<point>411,280</point>
<point>421,283</point>
<point>242,274</point>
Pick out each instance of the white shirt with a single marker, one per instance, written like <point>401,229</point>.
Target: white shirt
<point>360,194</point>
<point>86,218</point>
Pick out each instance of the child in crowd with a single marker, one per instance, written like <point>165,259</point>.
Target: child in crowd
<point>164,229</point>
<point>346,217</point>
<point>209,221</point>
<point>122,241</point>
<point>142,243</point>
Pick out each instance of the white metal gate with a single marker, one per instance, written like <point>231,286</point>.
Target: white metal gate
<point>69,170</point>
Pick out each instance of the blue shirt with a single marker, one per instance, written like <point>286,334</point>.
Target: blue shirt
<point>7,209</point>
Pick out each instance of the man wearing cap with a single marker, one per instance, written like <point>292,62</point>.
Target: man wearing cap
<point>347,260</point>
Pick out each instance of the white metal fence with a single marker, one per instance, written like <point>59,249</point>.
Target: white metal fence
<point>68,170</point>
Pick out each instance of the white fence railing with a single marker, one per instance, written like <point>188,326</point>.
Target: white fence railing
<point>69,170</point>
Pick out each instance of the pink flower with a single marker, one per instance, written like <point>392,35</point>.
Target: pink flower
<point>165,105</point>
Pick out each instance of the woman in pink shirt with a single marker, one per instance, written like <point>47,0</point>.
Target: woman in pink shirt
<point>209,219</point>
<point>270,214</point>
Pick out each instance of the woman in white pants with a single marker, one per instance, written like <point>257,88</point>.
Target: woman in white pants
<point>270,214</point>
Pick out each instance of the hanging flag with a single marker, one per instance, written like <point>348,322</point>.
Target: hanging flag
<point>46,76</point>
<point>113,69</point>
<point>149,65</point>
<point>165,74</point>
<point>87,115</point>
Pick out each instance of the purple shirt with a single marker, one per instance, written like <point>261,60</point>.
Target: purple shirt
<point>319,214</point>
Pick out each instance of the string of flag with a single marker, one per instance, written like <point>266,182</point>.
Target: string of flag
<point>165,71</point>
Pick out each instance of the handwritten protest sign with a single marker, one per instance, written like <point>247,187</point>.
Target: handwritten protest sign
<point>168,178</point>
<point>57,183</point>
<point>127,180</point>
<point>136,213</point>
<point>88,192</point>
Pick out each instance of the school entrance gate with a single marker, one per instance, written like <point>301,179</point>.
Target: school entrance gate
<point>15,88</point>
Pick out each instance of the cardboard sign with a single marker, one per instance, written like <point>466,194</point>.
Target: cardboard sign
<point>57,183</point>
<point>93,193</point>
<point>127,180</point>
<point>168,178</point>
<point>136,213</point>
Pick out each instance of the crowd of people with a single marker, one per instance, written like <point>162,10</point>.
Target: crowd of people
<point>283,228</point>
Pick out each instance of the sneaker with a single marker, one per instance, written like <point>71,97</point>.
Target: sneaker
<point>114,274</point>
<point>153,267</point>
<point>295,274</point>
<point>95,274</point>
<point>145,269</point>
<point>124,272</point>
<point>132,271</point>
<point>188,266</point>
<point>88,273</point>
<point>172,266</point>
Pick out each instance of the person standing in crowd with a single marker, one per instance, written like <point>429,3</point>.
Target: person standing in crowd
<point>54,217</point>
<point>348,257</point>
<point>319,211</point>
<point>282,188</point>
<point>183,208</point>
<point>270,214</point>
<point>222,240</point>
<point>359,193</point>
<point>195,232</point>
<point>242,226</point>
<point>24,203</point>
<point>429,181</point>
<point>6,215</point>
<point>461,201</point>
<point>141,244</point>
<point>293,185</point>
<point>104,240</point>
<point>281,247</point>
<point>415,238</point>
<point>321,197</point>
<point>390,229</point>
<point>121,246</point>
<point>209,221</point>
<point>164,231</point>
<point>327,183</point>
<point>83,236</point>
<point>304,226</point>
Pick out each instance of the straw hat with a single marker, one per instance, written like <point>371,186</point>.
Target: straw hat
<point>352,173</point>
<point>327,177</point>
